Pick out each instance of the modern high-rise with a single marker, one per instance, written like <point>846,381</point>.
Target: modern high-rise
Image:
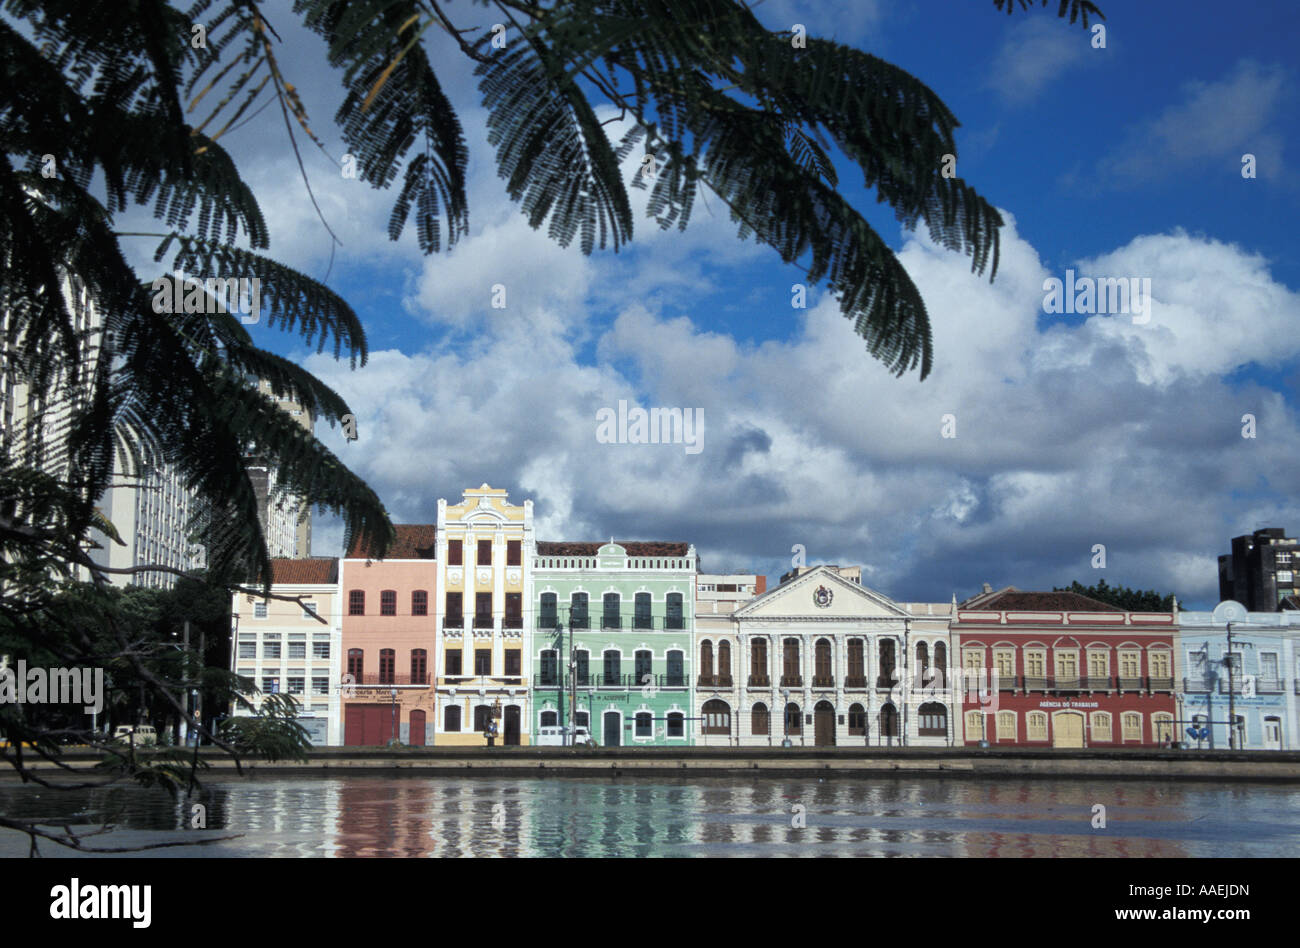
<point>1260,571</point>
<point>285,518</point>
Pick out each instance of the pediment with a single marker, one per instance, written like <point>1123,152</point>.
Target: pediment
<point>821,594</point>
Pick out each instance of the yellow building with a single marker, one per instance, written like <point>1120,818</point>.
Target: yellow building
<point>484,644</point>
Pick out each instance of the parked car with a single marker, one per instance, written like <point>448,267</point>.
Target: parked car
<point>141,734</point>
<point>554,737</point>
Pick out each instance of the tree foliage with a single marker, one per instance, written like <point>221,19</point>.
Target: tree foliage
<point>1130,600</point>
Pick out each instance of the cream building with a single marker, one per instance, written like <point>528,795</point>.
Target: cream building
<point>822,660</point>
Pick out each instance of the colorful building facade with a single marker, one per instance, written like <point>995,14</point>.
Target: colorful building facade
<point>611,640</point>
<point>1259,694</point>
<point>389,640</point>
<point>1061,670</point>
<point>485,548</point>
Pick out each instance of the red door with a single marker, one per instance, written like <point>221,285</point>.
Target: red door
<point>367,724</point>
<point>417,729</point>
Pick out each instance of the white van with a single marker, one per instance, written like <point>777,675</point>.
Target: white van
<point>142,734</point>
<point>554,737</point>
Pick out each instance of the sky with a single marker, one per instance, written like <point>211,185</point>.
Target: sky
<point>1067,430</point>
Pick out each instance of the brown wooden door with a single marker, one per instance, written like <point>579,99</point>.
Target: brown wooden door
<point>511,730</point>
<point>824,725</point>
<point>416,737</point>
<point>367,725</point>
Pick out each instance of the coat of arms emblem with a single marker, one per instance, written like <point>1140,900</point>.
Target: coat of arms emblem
<point>822,597</point>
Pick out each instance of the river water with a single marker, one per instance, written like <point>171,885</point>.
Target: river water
<point>408,815</point>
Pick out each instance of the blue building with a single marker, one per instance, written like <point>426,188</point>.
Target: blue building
<point>1260,690</point>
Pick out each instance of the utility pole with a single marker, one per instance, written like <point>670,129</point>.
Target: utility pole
<point>1232,704</point>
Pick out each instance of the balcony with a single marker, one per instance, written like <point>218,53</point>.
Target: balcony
<point>1196,686</point>
<point>792,681</point>
<point>1035,683</point>
<point>674,623</point>
<point>373,680</point>
<point>823,681</point>
<point>1270,686</point>
<point>611,622</point>
<point>760,681</point>
<point>548,623</point>
<point>453,622</point>
<point>1066,683</point>
<point>855,683</point>
<point>1007,682</point>
<point>512,622</point>
<point>1130,684</point>
<point>483,622</point>
<point>1097,683</point>
<point>713,681</point>
<point>1161,684</point>
<point>887,680</point>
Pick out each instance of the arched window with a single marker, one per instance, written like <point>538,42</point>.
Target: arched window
<point>888,720</point>
<point>758,662</point>
<point>388,602</point>
<point>356,664</point>
<point>1036,726</point>
<point>644,724</point>
<point>1099,725</point>
<point>419,666</point>
<point>613,667</point>
<point>676,677</point>
<point>823,676</point>
<point>550,672</point>
<point>1006,726</point>
<point>923,662</point>
<point>857,676</point>
<point>886,678</point>
<point>451,718</point>
<point>674,618</point>
<point>758,719</point>
<point>356,602</point>
<point>419,602</point>
<point>1131,723</point>
<point>790,676</point>
<point>793,719</point>
<point>578,617</point>
<point>974,726</point>
<point>857,720</point>
<point>941,663</point>
<point>610,617</point>
<point>582,663</point>
<point>550,719</point>
<point>676,724</point>
<point>642,615</point>
<point>548,617</point>
<point>643,662</point>
<point>933,720</point>
<point>717,717</point>
<point>387,662</point>
<point>706,662</point>
<point>1162,727</point>
<point>724,663</point>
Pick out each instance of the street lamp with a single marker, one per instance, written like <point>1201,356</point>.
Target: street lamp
<point>785,718</point>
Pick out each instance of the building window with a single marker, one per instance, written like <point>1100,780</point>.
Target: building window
<point>923,662</point>
<point>419,666</point>
<point>298,649</point>
<point>676,677</point>
<point>259,610</point>
<point>1098,666</point>
<point>455,615</point>
<point>550,719</point>
<point>514,552</point>
<point>717,717</point>
<point>941,663</point>
<point>822,662</point>
<point>1099,724</point>
<point>1035,663</point>
<point>387,665</point>
<point>974,726</point>
<point>580,719</point>
<point>357,602</point>
<point>578,610</point>
<point>455,557</point>
<point>297,685</point>
<point>582,666</point>
<point>613,667</point>
<point>934,720</point>
<point>419,602</point>
<point>758,661</point>
<point>676,724</point>
<point>888,720</point>
<point>857,720</point>
<point>1004,660</point>
<point>790,662</point>
<point>706,660</point>
<point>1006,725</point>
<point>643,667</point>
<point>453,663</point>
<point>248,650</point>
<point>270,685</point>
<point>320,686</point>
<point>610,614</point>
<point>549,674</point>
<point>356,664</point>
<point>513,663</point>
<point>641,617</point>
<point>1131,722</point>
<point>793,719</point>
<point>1067,667</point>
<point>673,607</point>
<point>887,679</point>
<point>271,648</point>
<point>724,662</point>
<point>514,618</point>
<point>312,607</point>
<point>451,717</point>
<point>857,675</point>
<point>1162,727</point>
<point>482,610</point>
<point>758,719</point>
<point>484,557</point>
<point>482,661</point>
<point>644,724</point>
<point>1158,661</point>
<point>320,650</point>
<point>482,717</point>
<point>1130,664</point>
<point>548,616</point>
<point>1036,725</point>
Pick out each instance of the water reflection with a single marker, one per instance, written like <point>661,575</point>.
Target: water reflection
<point>573,817</point>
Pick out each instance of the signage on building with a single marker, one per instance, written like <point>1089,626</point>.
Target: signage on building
<point>1067,704</point>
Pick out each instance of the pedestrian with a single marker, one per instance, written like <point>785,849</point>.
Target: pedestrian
<point>488,733</point>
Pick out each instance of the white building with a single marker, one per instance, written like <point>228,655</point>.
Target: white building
<point>282,648</point>
<point>822,660</point>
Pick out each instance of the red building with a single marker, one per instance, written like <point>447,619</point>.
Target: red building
<point>1063,670</point>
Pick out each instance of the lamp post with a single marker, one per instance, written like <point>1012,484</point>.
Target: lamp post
<point>392,737</point>
<point>785,719</point>
<point>1229,612</point>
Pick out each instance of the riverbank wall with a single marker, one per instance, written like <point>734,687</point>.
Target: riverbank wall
<point>1135,764</point>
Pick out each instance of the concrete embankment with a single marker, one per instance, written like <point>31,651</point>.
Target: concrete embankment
<point>1280,766</point>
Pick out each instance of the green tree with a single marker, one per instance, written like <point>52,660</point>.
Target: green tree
<point>1130,600</point>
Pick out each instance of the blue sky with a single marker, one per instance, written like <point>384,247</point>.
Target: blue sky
<point>1071,431</point>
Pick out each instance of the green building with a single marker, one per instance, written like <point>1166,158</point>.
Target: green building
<point>612,642</point>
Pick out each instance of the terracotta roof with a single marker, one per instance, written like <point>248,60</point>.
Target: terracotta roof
<point>634,548</point>
<point>415,541</point>
<point>1013,599</point>
<point>318,569</point>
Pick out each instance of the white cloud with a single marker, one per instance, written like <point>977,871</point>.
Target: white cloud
<point>1036,52</point>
